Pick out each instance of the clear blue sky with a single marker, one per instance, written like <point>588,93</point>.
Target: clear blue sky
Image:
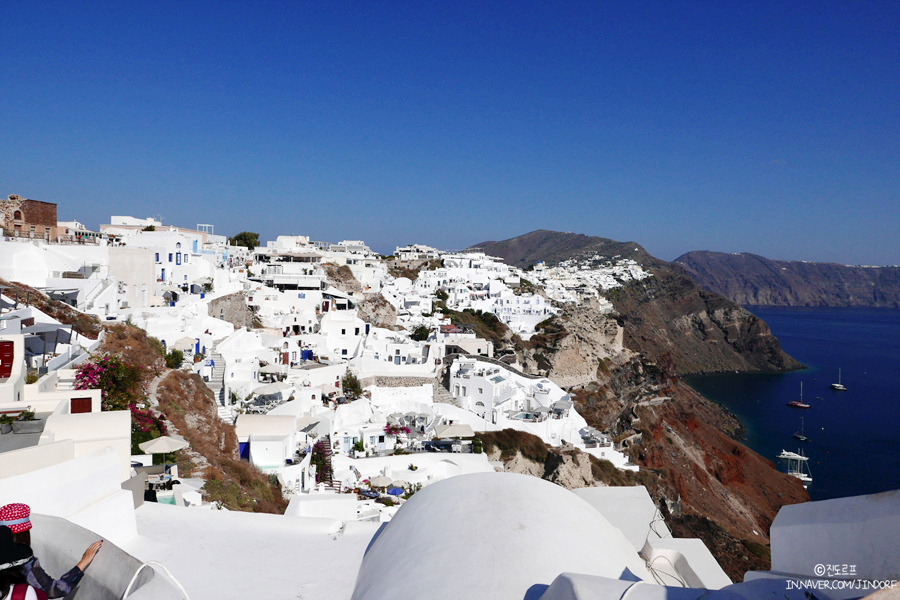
<point>767,127</point>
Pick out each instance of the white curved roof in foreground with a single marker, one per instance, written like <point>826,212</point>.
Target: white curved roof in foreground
<point>492,535</point>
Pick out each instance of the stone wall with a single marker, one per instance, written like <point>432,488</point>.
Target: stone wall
<point>383,381</point>
<point>232,308</point>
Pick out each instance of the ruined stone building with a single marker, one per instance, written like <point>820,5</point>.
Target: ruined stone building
<point>28,218</point>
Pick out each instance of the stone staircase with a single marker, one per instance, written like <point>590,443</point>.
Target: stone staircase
<point>331,484</point>
<point>227,414</point>
<point>442,394</point>
<point>217,384</point>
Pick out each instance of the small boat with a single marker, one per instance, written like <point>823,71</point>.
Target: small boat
<point>797,465</point>
<point>840,387</point>
<point>799,403</point>
<point>799,434</point>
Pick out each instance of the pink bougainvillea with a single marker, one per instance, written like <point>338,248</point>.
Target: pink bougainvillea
<point>396,429</point>
<point>146,420</point>
<point>121,383</point>
<point>88,376</point>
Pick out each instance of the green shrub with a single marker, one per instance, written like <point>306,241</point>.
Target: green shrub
<point>174,359</point>
<point>351,385</point>
<point>156,345</point>
<point>420,333</point>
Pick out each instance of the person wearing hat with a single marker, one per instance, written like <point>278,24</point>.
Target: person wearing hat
<point>17,517</point>
<point>12,556</point>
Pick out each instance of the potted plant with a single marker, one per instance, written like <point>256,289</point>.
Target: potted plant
<point>27,423</point>
<point>6,422</point>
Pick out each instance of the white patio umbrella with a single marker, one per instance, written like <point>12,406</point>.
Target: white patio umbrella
<point>163,445</point>
<point>185,343</point>
<point>380,481</point>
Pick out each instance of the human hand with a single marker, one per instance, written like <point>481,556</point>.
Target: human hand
<point>89,555</point>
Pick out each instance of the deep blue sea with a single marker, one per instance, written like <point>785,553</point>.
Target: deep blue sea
<point>854,445</point>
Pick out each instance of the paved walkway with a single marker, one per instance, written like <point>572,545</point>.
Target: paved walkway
<point>151,391</point>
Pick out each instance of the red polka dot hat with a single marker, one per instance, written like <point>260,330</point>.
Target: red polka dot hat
<point>16,517</point>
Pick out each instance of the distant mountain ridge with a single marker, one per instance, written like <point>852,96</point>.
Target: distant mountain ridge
<point>551,247</point>
<point>749,279</point>
<point>668,317</point>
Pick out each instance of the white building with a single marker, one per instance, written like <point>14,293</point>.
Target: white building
<point>416,252</point>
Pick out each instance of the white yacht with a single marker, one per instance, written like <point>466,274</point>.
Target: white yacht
<point>839,386</point>
<point>797,466</point>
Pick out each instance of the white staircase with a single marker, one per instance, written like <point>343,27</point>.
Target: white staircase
<point>217,384</point>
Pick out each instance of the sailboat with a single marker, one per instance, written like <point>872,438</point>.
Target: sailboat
<point>839,386</point>
<point>799,403</point>
<point>799,434</point>
<point>797,465</point>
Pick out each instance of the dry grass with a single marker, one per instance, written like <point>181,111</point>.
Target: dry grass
<point>136,347</point>
<point>510,441</point>
<point>234,483</point>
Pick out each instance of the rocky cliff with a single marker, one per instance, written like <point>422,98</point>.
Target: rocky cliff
<point>668,317</point>
<point>671,319</point>
<point>750,279</point>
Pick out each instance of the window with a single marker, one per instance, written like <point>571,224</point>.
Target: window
<point>178,246</point>
<point>480,390</point>
<point>356,332</point>
<point>178,258</point>
<point>380,439</point>
<point>344,352</point>
<point>157,257</point>
<point>186,256</point>
<point>17,215</point>
<point>343,332</point>
<point>170,257</point>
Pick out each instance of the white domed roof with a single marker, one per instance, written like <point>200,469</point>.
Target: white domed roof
<point>491,535</point>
